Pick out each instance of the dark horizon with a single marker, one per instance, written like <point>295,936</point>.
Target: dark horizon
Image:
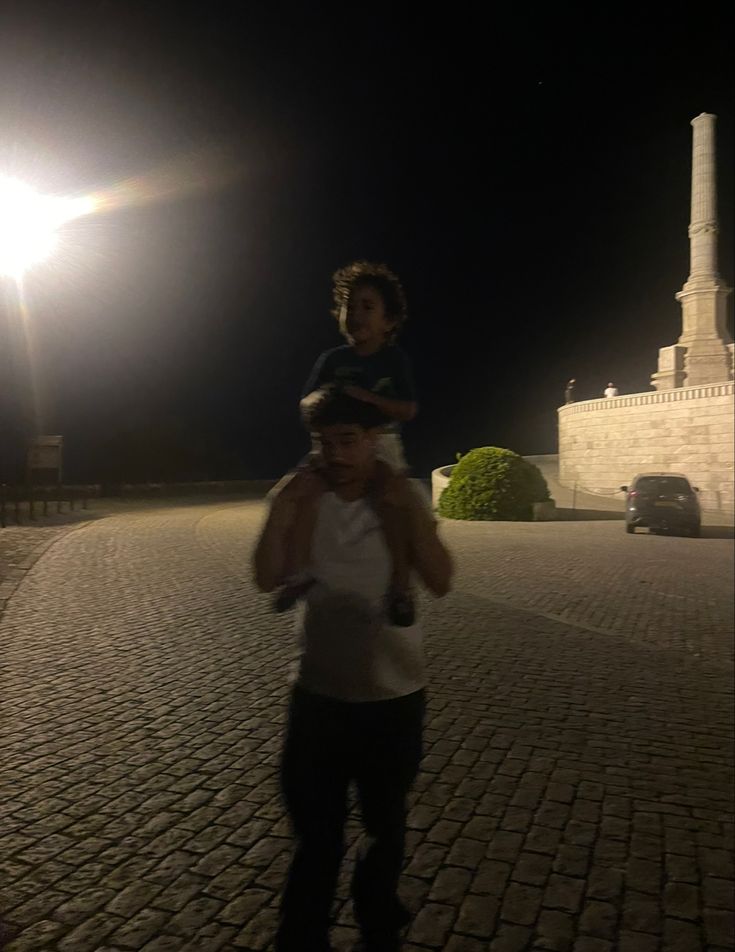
<point>528,181</point>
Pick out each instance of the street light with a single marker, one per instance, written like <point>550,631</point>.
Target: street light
<point>29,222</point>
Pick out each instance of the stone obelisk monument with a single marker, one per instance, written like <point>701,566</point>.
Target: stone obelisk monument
<point>704,352</point>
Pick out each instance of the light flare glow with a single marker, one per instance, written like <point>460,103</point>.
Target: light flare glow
<point>29,222</point>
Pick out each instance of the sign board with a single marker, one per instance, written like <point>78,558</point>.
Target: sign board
<point>44,459</point>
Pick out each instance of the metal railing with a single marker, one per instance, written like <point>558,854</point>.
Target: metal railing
<point>27,502</point>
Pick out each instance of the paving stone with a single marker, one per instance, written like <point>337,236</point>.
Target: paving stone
<point>563,892</point>
<point>211,938</point>
<point>604,883</point>
<point>718,928</point>
<point>90,934</point>
<point>464,852</point>
<point>572,860</point>
<point>681,901</point>
<point>140,928</point>
<point>464,943</point>
<point>680,936</point>
<point>163,943</point>
<point>491,877</point>
<point>586,943</point>
<point>445,831</point>
<point>599,919</point>
<point>542,839</point>
<point>681,868</point>
<point>239,910</point>
<point>641,913</point>
<point>173,898</point>
<point>554,931</point>
<point>639,942</point>
<point>426,860</point>
<point>511,938</point>
<point>532,868</point>
<point>40,935</point>
<point>39,907</point>
<point>451,885</point>
<point>505,845</point>
<point>718,893</point>
<point>422,817</point>
<point>477,916</point>
<point>480,828</point>
<point>195,914</point>
<point>643,875</point>
<point>431,926</point>
<point>521,904</point>
<point>133,898</point>
<point>258,933</point>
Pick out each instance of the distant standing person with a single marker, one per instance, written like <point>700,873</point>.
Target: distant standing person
<point>569,391</point>
<point>611,390</point>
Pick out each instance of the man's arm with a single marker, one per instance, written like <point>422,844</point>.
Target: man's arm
<point>270,557</point>
<point>430,556</point>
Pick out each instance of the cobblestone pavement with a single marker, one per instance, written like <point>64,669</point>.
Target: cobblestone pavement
<point>575,793</point>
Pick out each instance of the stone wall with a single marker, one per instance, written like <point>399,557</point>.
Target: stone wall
<point>689,430</point>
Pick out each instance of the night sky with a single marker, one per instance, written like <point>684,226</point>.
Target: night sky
<point>526,174</point>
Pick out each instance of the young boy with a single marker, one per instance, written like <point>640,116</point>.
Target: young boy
<point>370,306</point>
<point>356,710</point>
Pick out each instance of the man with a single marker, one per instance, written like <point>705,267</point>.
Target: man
<point>569,391</point>
<point>356,710</point>
<point>611,390</point>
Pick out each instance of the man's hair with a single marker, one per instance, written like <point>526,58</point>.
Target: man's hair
<point>374,275</point>
<point>331,406</point>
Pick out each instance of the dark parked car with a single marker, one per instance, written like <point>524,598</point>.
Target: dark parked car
<point>665,502</point>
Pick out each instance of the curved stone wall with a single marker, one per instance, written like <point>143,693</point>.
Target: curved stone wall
<point>604,443</point>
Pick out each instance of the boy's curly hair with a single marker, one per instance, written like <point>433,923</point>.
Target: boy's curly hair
<point>375,275</point>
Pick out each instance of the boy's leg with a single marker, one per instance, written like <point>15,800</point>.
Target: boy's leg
<point>395,526</point>
<point>395,529</point>
<point>388,758</point>
<point>314,778</point>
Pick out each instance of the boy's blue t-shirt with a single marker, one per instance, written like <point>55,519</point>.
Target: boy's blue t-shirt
<point>387,372</point>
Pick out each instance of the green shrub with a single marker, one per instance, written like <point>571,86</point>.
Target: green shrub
<point>493,483</point>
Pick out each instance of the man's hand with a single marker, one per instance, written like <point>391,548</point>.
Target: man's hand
<point>359,393</point>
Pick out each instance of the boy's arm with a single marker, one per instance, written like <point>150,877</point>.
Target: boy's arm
<point>404,406</point>
<point>402,410</point>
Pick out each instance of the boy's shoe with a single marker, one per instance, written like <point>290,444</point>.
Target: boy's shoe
<point>291,593</point>
<point>401,609</point>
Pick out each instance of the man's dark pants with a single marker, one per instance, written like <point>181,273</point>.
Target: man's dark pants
<point>330,743</point>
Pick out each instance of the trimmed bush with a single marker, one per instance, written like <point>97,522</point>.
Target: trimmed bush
<point>493,483</point>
